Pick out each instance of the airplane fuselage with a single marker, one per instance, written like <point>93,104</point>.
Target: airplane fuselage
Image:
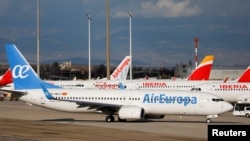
<point>152,102</point>
<point>229,91</point>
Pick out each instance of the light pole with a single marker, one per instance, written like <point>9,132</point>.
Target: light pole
<point>38,36</point>
<point>89,18</point>
<point>130,43</point>
<point>107,40</point>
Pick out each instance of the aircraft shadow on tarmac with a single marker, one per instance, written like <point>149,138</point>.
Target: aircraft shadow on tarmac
<point>134,121</point>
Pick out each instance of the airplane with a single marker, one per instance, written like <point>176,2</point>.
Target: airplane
<point>198,75</point>
<point>233,92</point>
<point>119,74</point>
<point>237,91</point>
<point>127,105</point>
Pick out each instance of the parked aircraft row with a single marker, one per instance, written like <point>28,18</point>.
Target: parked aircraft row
<point>118,79</point>
<point>231,91</point>
<point>126,104</point>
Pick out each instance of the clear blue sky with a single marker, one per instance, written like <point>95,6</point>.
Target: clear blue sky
<point>162,30</point>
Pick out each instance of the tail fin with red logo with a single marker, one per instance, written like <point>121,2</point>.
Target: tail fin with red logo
<point>121,72</point>
<point>202,72</point>
<point>245,76</point>
<point>6,78</point>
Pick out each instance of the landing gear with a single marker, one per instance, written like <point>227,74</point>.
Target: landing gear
<point>110,118</point>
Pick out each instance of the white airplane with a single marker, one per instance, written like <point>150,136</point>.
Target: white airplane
<point>200,74</point>
<point>119,74</point>
<point>237,91</point>
<point>127,105</point>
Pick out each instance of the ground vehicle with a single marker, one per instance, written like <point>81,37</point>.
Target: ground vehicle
<point>241,109</point>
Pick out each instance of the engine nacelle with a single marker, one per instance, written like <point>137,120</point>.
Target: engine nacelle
<point>131,112</point>
<point>154,116</point>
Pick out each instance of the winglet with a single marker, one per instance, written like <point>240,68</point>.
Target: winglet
<point>245,76</point>
<point>202,72</point>
<point>6,78</point>
<point>121,72</point>
<point>23,75</point>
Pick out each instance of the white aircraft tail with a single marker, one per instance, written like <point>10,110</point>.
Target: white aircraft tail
<point>121,72</point>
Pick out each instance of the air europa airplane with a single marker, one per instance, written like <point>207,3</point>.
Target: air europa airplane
<point>126,105</point>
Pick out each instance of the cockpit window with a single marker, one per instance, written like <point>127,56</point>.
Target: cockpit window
<point>196,89</point>
<point>217,99</point>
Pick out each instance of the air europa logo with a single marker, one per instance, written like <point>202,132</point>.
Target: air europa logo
<point>235,86</point>
<point>104,85</point>
<point>168,99</point>
<point>20,71</point>
<point>119,70</point>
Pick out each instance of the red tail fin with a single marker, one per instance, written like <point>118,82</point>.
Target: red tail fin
<point>245,76</point>
<point>6,78</point>
<point>202,72</point>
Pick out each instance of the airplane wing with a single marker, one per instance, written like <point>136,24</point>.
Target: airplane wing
<point>103,107</point>
<point>14,93</point>
<point>98,106</point>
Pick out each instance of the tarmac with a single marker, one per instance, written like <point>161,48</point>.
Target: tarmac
<point>22,122</point>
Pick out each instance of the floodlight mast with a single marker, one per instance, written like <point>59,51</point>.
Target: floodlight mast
<point>89,19</point>
<point>130,43</point>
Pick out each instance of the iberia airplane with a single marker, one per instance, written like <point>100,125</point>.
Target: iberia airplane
<point>200,74</point>
<point>125,104</point>
<point>237,91</point>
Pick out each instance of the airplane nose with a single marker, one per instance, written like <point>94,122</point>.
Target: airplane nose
<point>227,106</point>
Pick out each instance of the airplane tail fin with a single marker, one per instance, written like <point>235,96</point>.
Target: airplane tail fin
<point>202,72</point>
<point>245,76</point>
<point>6,78</point>
<point>24,77</point>
<point>121,72</point>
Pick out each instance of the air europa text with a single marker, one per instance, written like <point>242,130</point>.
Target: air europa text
<point>168,99</point>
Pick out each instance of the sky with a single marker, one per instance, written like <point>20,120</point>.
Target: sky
<point>163,31</point>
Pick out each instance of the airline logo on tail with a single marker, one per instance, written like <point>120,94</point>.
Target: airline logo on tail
<point>22,72</point>
<point>122,70</point>
<point>202,72</point>
<point>6,78</point>
<point>245,77</point>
